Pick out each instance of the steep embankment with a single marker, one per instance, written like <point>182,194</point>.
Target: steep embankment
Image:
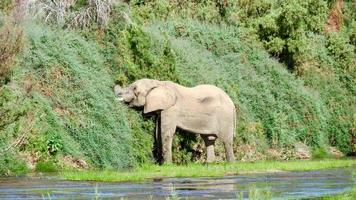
<point>59,106</point>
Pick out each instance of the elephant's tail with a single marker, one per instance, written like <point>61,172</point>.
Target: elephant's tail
<point>234,128</point>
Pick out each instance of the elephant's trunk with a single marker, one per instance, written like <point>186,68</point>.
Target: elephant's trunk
<point>118,92</point>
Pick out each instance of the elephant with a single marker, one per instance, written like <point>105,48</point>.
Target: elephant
<point>204,109</point>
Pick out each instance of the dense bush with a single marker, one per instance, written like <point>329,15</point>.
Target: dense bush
<point>324,73</point>
<point>10,164</point>
<point>11,44</point>
<point>142,57</point>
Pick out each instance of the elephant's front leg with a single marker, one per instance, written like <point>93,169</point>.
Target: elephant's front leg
<point>209,144</point>
<point>168,128</point>
<point>157,151</point>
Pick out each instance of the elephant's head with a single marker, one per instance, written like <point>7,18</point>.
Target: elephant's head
<point>153,95</point>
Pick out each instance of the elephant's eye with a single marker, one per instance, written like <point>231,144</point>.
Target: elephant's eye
<point>135,90</point>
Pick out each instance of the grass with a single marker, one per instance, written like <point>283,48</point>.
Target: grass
<point>349,195</point>
<point>46,166</point>
<point>147,172</point>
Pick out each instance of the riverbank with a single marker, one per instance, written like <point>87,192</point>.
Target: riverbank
<point>149,172</point>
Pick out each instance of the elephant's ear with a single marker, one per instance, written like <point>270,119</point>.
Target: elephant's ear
<point>159,98</point>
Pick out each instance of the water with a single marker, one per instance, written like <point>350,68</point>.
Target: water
<point>281,185</point>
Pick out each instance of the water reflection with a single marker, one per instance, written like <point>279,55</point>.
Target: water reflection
<point>282,185</point>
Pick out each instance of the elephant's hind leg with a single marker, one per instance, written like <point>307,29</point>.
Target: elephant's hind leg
<point>209,144</point>
<point>229,149</point>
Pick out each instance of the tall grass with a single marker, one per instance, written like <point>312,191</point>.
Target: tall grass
<point>147,172</point>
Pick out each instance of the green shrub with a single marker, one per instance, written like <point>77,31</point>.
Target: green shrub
<point>183,149</point>
<point>326,75</point>
<point>283,28</point>
<point>320,153</point>
<point>142,130</point>
<point>11,44</point>
<point>11,164</point>
<point>347,195</point>
<point>46,166</point>
<point>54,144</point>
<point>142,57</point>
<point>257,194</point>
<point>209,10</point>
<point>342,51</point>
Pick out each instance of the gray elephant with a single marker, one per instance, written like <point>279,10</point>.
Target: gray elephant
<point>204,109</point>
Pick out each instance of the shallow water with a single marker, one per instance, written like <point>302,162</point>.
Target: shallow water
<point>282,185</point>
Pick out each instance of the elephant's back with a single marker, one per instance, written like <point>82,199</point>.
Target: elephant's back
<point>203,92</point>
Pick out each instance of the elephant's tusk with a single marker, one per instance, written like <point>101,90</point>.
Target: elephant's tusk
<point>119,99</point>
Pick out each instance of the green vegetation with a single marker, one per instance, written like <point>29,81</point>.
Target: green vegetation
<point>256,194</point>
<point>9,165</point>
<point>344,196</point>
<point>197,170</point>
<point>46,166</point>
<point>290,73</point>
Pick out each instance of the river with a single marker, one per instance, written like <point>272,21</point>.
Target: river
<point>281,185</point>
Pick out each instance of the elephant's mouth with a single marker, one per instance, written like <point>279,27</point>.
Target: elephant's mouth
<point>129,102</point>
<point>119,98</point>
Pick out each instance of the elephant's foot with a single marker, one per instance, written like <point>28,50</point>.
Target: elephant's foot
<point>210,154</point>
<point>167,162</point>
<point>228,149</point>
<point>230,155</point>
<point>230,159</point>
<point>167,156</point>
